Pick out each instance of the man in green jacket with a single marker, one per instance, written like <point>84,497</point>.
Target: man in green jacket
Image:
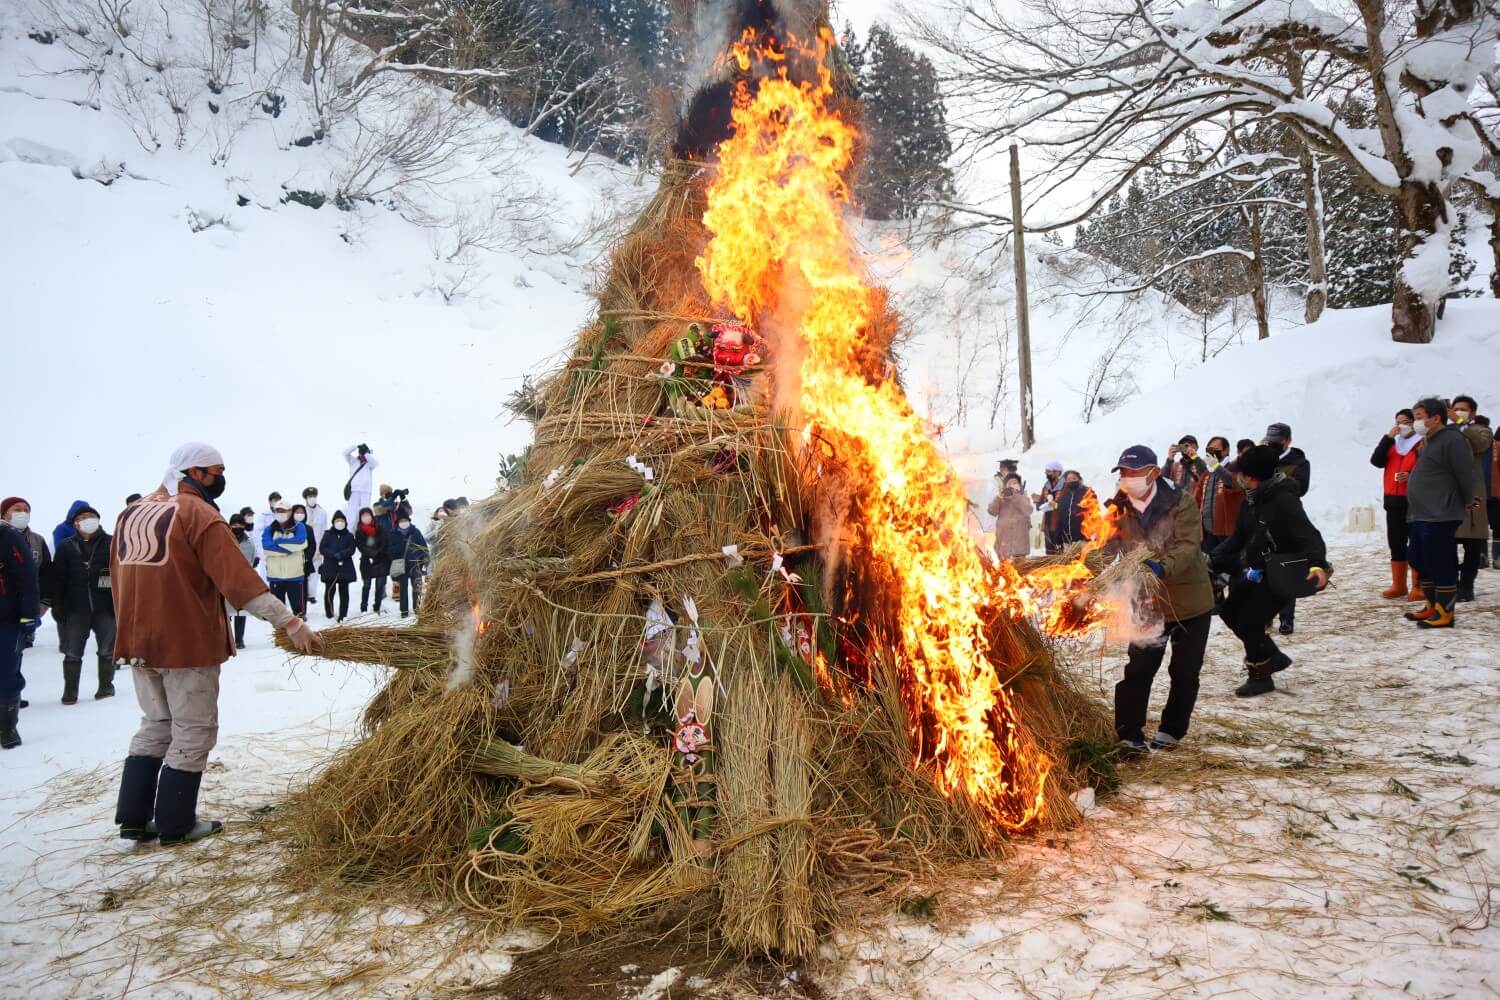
<point>1153,513</point>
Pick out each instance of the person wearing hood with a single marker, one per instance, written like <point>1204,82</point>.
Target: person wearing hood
<point>64,529</point>
<point>1012,513</point>
<point>83,602</point>
<point>1273,542</point>
<point>1444,488</point>
<point>374,557</point>
<point>1073,505</point>
<point>337,550</point>
<point>1474,533</point>
<point>284,542</point>
<point>20,608</point>
<point>408,550</point>
<point>174,566</point>
<point>1396,454</point>
<point>240,527</point>
<point>362,466</point>
<point>16,512</point>
<point>1151,512</point>
<point>1046,500</point>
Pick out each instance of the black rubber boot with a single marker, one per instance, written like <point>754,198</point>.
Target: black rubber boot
<point>72,670</point>
<point>106,678</point>
<point>1259,682</point>
<point>239,631</point>
<point>1465,593</point>
<point>137,798</point>
<point>9,737</point>
<point>177,808</point>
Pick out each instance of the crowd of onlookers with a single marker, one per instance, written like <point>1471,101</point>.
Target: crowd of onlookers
<point>295,547</point>
<point>1227,534</point>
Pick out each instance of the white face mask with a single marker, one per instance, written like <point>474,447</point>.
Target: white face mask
<point>365,519</point>
<point>19,519</point>
<point>405,525</point>
<point>283,517</point>
<point>1405,430</point>
<point>88,525</point>
<point>1135,487</point>
<point>299,516</point>
<point>338,525</point>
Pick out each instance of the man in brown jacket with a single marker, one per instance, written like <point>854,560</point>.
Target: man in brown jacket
<point>1151,512</point>
<point>174,565</point>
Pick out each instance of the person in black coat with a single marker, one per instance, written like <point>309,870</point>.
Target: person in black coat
<point>408,549</point>
<point>299,516</point>
<point>374,558</point>
<point>1271,523</point>
<point>337,549</point>
<point>83,602</point>
<point>1292,463</point>
<point>1072,507</point>
<point>20,607</point>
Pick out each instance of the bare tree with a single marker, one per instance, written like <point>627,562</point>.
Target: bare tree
<point>1104,86</point>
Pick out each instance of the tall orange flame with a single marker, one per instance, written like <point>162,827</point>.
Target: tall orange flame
<point>781,256</point>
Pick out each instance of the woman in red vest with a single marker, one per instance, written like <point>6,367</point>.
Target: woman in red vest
<point>1397,454</point>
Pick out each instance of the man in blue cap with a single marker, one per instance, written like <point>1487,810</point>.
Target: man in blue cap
<point>1151,512</point>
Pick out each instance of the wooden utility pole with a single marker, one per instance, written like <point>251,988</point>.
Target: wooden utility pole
<point>1023,312</point>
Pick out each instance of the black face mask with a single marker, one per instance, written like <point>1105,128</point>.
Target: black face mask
<point>215,489</point>
<point>1218,455</point>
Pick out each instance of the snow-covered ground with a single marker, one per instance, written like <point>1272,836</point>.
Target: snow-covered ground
<point>1337,839</point>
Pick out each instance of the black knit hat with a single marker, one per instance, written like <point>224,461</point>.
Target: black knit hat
<point>1259,462</point>
<point>85,509</point>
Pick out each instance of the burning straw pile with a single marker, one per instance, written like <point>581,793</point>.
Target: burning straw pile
<point>728,655</point>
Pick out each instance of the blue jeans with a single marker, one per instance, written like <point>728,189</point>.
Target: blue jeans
<point>11,681</point>
<point>1432,548</point>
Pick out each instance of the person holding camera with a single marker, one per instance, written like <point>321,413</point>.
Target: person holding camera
<point>408,552</point>
<point>1275,556</point>
<point>1012,513</point>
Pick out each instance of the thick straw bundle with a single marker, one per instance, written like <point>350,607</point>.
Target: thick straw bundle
<point>534,778</point>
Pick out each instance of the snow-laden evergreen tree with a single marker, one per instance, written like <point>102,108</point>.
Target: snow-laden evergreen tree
<point>907,146</point>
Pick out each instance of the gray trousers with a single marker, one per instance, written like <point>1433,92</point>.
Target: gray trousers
<point>179,715</point>
<point>73,634</point>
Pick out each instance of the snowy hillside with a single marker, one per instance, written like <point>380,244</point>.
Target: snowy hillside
<point>168,278</point>
<point>1337,383</point>
<point>155,295</point>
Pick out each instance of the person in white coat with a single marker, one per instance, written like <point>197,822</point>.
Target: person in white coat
<point>317,523</point>
<point>362,466</point>
<point>264,520</point>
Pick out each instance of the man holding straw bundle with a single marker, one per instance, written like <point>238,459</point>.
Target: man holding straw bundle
<point>174,565</point>
<point>1165,519</point>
